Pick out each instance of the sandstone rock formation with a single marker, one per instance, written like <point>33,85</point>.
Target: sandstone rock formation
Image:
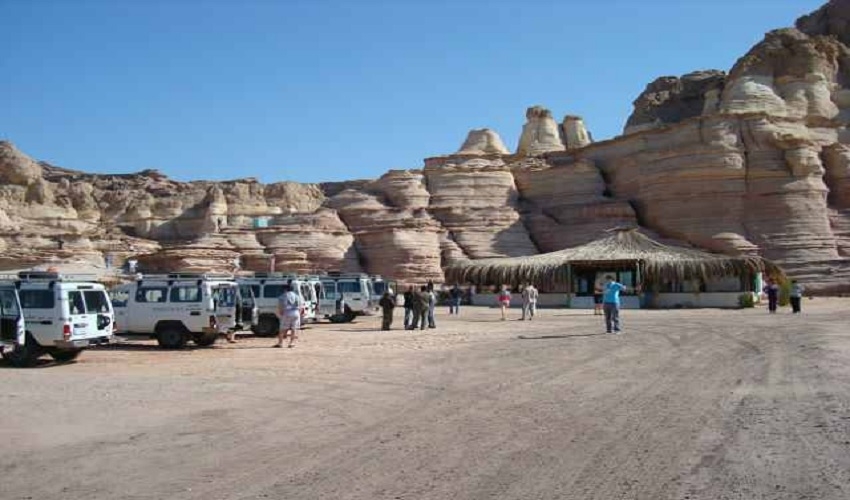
<point>753,161</point>
<point>671,99</point>
<point>540,134</point>
<point>483,142</point>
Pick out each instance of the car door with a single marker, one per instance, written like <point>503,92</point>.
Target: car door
<point>97,303</point>
<point>83,321</point>
<point>12,327</point>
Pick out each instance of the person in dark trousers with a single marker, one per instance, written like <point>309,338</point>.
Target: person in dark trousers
<point>408,308</point>
<point>421,308</point>
<point>797,291</point>
<point>772,291</point>
<point>455,296</point>
<point>611,304</point>
<point>387,305</point>
<point>418,308</point>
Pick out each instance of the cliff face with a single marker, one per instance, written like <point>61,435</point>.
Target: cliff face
<point>756,160</point>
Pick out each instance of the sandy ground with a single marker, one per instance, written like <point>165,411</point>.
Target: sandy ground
<point>703,404</point>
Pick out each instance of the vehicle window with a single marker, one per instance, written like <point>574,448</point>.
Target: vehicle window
<point>8,303</point>
<point>75,303</point>
<point>329,290</point>
<point>248,292</point>
<point>272,291</point>
<point>96,301</point>
<point>348,287</point>
<point>380,287</point>
<point>305,292</point>
<point>319,294</point>
<point>119,298</point>
<point>151,294</point>
<point>186,294</point>
<point>224,296</point>
<point>255,289</point>
<point>37,299</point>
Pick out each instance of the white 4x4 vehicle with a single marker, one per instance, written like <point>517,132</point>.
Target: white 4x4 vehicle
<point>64,314</point>
<point>345,296</point>
<point>176,308</point>
<point>267,287</point>
<point>12,326</point>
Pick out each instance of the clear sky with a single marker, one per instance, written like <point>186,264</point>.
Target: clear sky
<point>327,90</point>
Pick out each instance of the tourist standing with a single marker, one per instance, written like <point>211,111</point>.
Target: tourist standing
<point>387,305</point>
<point>431,295</point>
<point>796,297</point>
<point>504,300</point>
<point>420,308</point>
<point>529,301</point>
<point>408,308</point>
<point>289,306</point>
<point>597,299</point>
<point>772,291</point>
<point>611,304</point>
<point>455,296</point>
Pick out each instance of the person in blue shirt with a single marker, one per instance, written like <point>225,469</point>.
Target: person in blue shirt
<point>611,304</point>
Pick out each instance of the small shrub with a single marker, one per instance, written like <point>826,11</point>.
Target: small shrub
<point>746,300</point>
<point>784,293</point>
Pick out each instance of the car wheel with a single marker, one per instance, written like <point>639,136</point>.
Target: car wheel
<point>171,338</point>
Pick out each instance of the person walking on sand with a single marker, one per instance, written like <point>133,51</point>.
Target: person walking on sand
<point>408,308</point>
<point>387,305</point>
<point>529,301</point>
<point>455,296</point>
<point>772,291</point>
<point>796,297</point>
<point>431,295</point>
<point>289,306</point>
<point>418,304</point>
<point>611,304</point>
<point>504,300</point>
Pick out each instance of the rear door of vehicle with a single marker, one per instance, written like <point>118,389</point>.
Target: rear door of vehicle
<point>12,327</point>
<point>356,296</point>
<point>224,304</point>
<point>83,322</point>
<point>328,297</point>
<point>98,303</point>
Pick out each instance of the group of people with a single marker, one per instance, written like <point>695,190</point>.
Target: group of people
<point>530,295</point>
<point>795,296</point>
<point>420,305</point>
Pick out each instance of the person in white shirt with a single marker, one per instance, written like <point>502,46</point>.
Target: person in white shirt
<point>529,301</point>
<point>289,306</point>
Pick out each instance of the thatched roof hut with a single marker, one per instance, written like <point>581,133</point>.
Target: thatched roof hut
<point>655,262</point>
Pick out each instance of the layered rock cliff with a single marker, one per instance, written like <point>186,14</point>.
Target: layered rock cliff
<point>753,160</point>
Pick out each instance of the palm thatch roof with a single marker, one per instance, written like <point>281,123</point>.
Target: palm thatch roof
<point>657,263</point>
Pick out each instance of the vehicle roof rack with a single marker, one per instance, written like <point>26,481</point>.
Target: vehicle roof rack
<point>186,276</point>
<point>55,276</point>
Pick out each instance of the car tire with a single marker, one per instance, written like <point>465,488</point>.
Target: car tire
<point>171,337</point>
<point>266,326</point>
<point>64,355</point>
<point>24,356</point>
<point>205,339</point>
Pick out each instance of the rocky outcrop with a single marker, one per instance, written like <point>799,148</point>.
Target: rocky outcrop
<point>540,134</point>
<point>483,142</point>
<point>671,99</point>
<point>753,161</point>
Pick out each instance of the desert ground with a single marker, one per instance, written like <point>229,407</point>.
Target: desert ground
<point>686,404</point>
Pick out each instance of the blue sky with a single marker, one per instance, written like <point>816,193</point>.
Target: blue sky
<point>326,90</point>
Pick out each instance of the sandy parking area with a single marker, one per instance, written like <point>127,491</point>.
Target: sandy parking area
<point>703,404</point>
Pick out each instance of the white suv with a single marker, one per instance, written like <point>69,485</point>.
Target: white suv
<point>267,287</point>
<point>176,308</point>
<point>64,314</point>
